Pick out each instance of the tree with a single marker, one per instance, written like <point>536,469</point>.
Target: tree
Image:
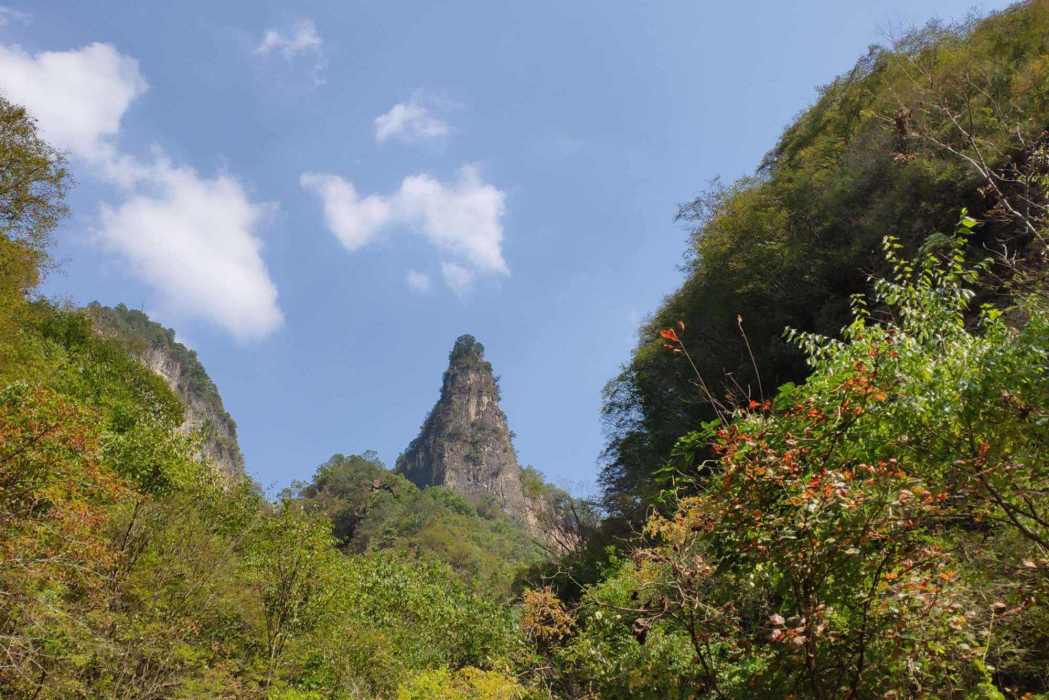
<point>33,180</point>
<point>33,184</point>
<point>292,568</point>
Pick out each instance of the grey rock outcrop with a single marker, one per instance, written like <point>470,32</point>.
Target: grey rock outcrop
<point>465,442</point>
<point>466,445</point>
<point>156,347</point>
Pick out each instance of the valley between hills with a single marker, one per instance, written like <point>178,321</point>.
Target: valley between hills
<point>826,469</point>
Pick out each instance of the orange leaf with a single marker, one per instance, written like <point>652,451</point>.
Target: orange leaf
<point>669,334</point>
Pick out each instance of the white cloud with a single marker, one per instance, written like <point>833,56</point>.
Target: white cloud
<point>456,276</point>
<point>354,220</point>
<point>78,97</point>
<point>419,281</point>
<point>192,239</point>
<point>462,219</point>
<point>300,40</point>
<point>409,122</point>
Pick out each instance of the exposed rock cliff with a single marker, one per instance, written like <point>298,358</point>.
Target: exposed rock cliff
<point>465,444</point>
<point>157,348</point>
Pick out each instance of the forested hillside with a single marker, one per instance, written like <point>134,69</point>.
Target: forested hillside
<point>156,347</point>
<point>133,567</point>
<point>373,509</point>
<point>827,477</point>
<point>946,118</point>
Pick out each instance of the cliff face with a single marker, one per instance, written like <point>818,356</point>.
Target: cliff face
<point>204,410</point>
<point>465,442</point>
<point>155,347</point>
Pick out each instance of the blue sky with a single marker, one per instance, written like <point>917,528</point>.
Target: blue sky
<point>320,198</point>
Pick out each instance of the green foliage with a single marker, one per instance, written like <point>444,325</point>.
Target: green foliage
<point>373,509</point>
<point>426,614</point>
<point>33,181</point>
<point>386,620</point>
<point>609,656</point>
<point>466,684</point>
<point>468,352</point>
<point>140,337</point>
<point>139,334</point>
<point>293,567</point>
<point>881,529</point>
<point>883,150</point>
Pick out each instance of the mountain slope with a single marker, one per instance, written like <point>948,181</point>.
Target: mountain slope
<point>372,509</point>
<point>949,117</point>
<point>156,347</point>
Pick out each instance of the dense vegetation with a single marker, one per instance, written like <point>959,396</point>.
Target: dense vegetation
<point>880,531</point>
<point>843,491</point>
<point>949,117</point>
<point>131,569</point>
<point>150,341</point>
<point>372,509</point>
<point>140,333</point>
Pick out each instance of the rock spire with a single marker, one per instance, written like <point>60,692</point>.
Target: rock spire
<point>465,442</point>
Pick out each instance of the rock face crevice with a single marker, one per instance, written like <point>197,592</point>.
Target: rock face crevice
<point>465,442</point>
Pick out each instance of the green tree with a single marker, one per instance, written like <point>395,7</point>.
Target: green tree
<point>33,184</point>
<point>879,529</point>
<point>292,566</point>
<point>33,181</point>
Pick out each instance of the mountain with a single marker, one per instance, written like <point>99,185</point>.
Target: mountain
<point>466,445</point>
<point>155,346</point>
<point>465,442</point>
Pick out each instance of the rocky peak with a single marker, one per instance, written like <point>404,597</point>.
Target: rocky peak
<point>465,442</point>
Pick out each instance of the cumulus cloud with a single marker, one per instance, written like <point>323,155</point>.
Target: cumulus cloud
<point>462,219</point>
<point>419,281</point>
<point>191,238</point>
<point>353,220</point>
<point>409,122</point>
<point>78,97</point>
